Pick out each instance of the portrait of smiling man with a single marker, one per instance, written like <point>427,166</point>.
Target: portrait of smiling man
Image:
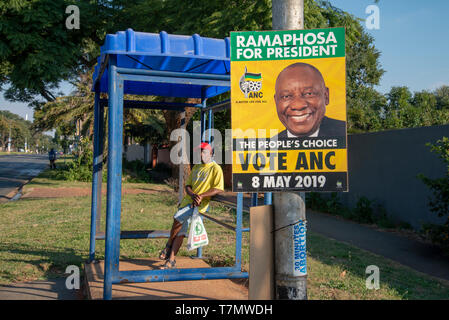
<point>301,97</point>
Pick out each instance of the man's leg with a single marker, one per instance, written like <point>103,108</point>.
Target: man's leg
<point>179,225</point>
<point>177,243</point>
<point>176,226</point>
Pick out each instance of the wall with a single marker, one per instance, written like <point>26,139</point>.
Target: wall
<point>163,156</point>
<point>383,167</point>
<point>134,152</point>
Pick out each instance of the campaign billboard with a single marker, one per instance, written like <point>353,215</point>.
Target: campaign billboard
<point>288,110</point>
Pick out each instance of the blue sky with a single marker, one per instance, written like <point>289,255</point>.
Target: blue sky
<point>413,39</point>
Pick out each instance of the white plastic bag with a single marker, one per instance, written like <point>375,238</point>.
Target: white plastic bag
<point>197,234</point>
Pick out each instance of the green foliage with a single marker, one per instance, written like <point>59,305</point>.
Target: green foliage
<point>364,111</point>
<point>315,201</point>
<point>383,221</point>
<point>439,202</point>
<point>160,173</point>
<point>333,204</point>
<point>37,52</point>
<point>21,131</point>
<point>365,211</point>
<point>215,18</point>
<point>440,186</point>
<point>137,171</point>
<point>149,127</point>
<point>66,111</point>
<point>63,54</point>
<point>80,169</point>
<point>442,96</point>
<point>36,49</point>
<point>369,110</point>
<point>438,234</point>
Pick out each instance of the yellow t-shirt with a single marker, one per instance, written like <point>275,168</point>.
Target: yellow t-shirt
<point>203,178</point>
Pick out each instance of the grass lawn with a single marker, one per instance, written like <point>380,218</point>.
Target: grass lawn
<point>5,153</point>
<point>40,237</point>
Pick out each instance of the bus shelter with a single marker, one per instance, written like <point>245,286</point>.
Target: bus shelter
<point>164,65</point>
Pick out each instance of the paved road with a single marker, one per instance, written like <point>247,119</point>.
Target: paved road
<point>16,170</point>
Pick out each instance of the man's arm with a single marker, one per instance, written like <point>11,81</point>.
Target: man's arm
<point>210,193</point>
<point>196,198</point>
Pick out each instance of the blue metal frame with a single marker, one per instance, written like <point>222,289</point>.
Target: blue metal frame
<point>254,199</point>
<point>97,174</point>
<point>114,189</point>
<point>112,275</point>
<point>180,274</point>
<point>175,106</point>
<point>128,59</point>
<point>268,199</point>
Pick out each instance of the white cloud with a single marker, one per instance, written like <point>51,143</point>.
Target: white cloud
<point>438,84</point>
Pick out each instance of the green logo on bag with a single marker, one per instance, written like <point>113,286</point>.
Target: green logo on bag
<point>198,229</point>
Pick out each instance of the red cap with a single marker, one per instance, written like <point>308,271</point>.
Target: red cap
<point>204,145</point>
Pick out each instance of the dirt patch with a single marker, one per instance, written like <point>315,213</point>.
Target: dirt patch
<point>78,192</point>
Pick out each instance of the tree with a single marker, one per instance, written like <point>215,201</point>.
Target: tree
<point>72,116</point>
<point>439,202</point>
<point>442,96</point>
<point>364,113</point>
<point>14,127</point>
<point>37,51</point>
<point>4,131</point>
<point>399,102</point>
<point>426,104</point>
<point>399,98</point>
<point>407,110</point>
<point>151,130</point>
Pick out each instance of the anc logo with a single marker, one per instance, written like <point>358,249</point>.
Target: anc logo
<point>198,229</point>
<point>251,84</point>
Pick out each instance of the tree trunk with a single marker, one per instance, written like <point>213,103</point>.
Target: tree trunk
<point>154,155</point>
<point>173,121</point>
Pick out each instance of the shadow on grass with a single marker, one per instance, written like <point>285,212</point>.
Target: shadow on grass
<point>52,263</point>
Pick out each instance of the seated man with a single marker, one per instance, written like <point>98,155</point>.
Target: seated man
<point>205,181</point>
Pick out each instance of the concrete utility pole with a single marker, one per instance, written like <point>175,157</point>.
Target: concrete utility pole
<point>287,14</point>
<point>289,208</point>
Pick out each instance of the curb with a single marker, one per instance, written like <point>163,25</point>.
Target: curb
<point>12,194</point>
<point>17,190</point>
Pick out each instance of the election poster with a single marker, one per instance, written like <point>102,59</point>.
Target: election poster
<point>288,110</point>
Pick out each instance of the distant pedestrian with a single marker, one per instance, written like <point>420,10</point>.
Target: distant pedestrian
<point>52,158</point>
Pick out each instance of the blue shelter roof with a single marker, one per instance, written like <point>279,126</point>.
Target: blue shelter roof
<point>165,52</point>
